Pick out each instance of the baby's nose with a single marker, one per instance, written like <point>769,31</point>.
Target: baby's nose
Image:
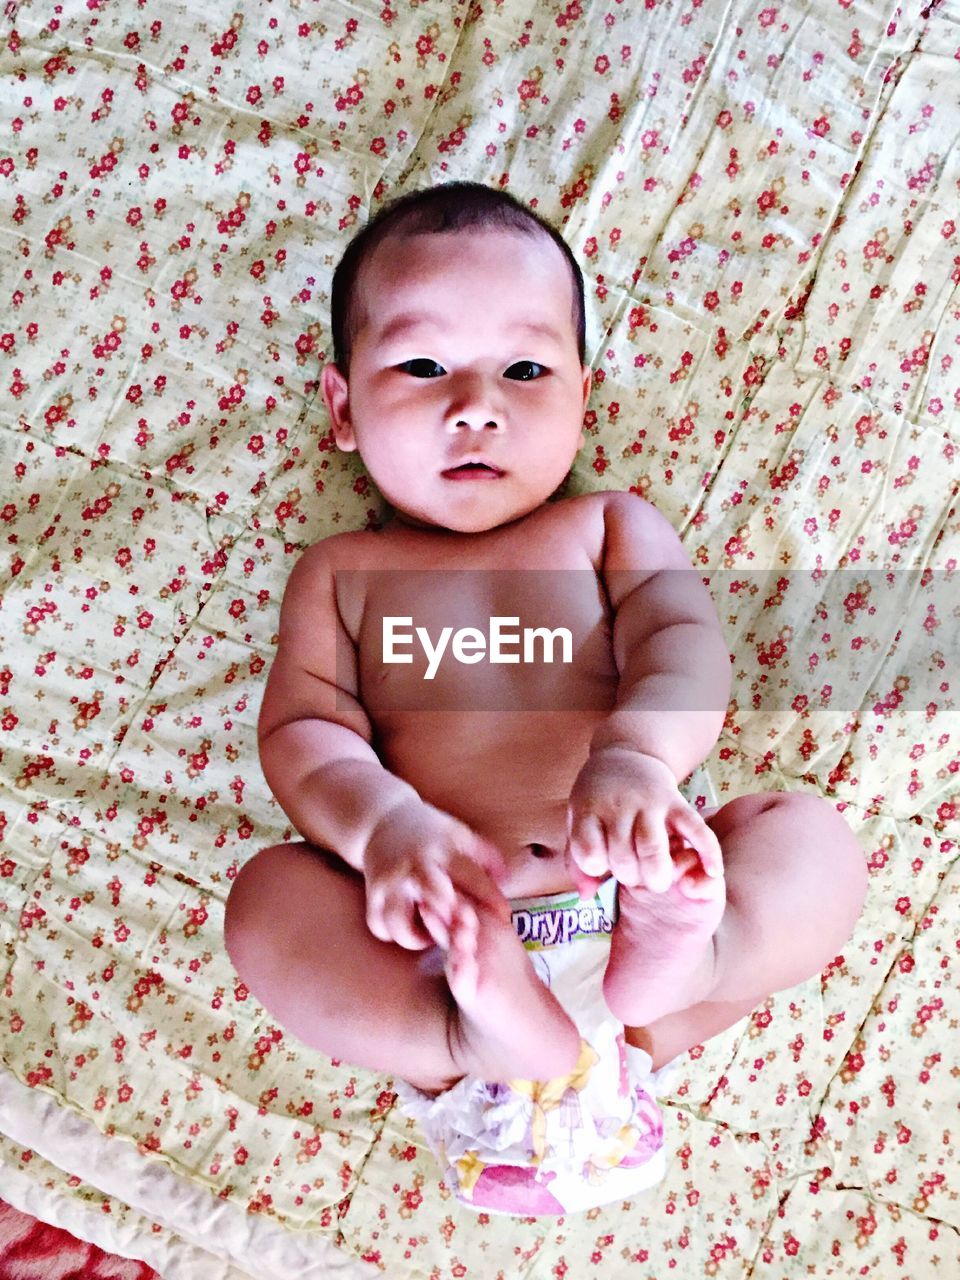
<point>474,404</point>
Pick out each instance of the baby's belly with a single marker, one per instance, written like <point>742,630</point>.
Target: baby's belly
<point>507,775</point>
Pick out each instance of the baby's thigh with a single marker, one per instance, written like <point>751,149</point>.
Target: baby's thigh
<point>296,932</point>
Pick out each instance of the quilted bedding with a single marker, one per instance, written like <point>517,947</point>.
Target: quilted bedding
<point>764,200</point>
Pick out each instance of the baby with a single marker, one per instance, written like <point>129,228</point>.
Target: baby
<point>477,719</point>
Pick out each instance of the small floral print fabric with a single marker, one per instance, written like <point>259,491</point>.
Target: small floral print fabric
<point>763,198</point>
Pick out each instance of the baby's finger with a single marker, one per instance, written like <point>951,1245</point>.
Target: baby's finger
<point>653,856</point>
<point>436,926</point>
<point>375,922</point>
<point>462,969</point>
<point>696,832</point>
<point>586,886</point>
<point>494,864</point>
<point>465,922</point>
<point>437,890</point>
<point>399,920</point>
<point>621,851</point>
<point>470,879</point>
<point>488,855</point>
<point>587,844</point>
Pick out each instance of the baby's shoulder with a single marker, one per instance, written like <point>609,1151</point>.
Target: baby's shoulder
<point>626,530</point>
<point>590,521</point>
<point>604,506</point>
<point>314,576</point>
<point>351,549</point>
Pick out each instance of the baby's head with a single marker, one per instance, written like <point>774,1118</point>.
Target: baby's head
<point>459,340</point>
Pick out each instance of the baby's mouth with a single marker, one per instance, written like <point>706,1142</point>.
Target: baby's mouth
<point>473,471</point>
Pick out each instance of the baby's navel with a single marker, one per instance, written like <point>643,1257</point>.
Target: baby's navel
<point>540,850</point>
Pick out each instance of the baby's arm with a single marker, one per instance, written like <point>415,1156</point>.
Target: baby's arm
<point>670,652</point>
<point>672,697</point>
<point>314,735</point>
<point>316,753</point>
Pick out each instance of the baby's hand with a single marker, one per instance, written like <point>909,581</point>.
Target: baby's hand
<point>624,816</point>
<point>424,870</point>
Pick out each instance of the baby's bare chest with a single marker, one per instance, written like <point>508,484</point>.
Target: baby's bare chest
<point>476,640</point>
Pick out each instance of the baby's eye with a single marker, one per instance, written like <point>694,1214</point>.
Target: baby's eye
<point>422,368</point>
<point>529,369</point>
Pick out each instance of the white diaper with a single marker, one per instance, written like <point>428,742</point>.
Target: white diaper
<point>555,1146</point>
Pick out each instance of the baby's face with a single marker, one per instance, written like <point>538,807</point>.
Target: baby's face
<point>466,353</point>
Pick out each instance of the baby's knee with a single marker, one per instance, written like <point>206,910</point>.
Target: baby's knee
<point>827,831</point>
<point>838,865</point>
<point>800,860</point>
<point>249,913</point>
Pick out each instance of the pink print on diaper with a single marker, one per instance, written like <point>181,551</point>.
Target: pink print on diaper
<point>648,1118</point>
<point>512,1189</point>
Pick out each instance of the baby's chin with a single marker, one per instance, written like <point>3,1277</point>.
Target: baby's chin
<point>462,521</point>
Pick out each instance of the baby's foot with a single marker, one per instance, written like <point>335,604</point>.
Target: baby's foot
<point>661,953</point>
<point>507,1024</point>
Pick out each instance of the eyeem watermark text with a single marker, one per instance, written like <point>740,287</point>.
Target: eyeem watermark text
<point>504,641</point>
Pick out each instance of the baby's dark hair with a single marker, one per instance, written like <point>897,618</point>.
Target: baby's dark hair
<point>452,206</point>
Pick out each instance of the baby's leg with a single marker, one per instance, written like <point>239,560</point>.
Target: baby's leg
<point>795,883</point>
<point>296,932</point>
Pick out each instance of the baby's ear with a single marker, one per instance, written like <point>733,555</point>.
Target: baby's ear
<point>336,393</point>
<point>586,378</point>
